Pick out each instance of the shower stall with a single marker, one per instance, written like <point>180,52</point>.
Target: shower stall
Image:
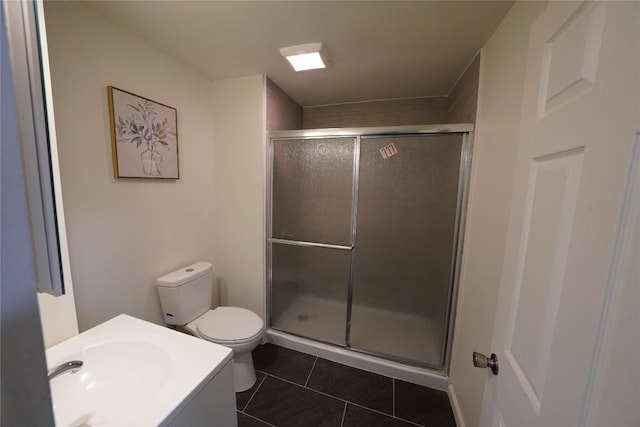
<point>364,232</point>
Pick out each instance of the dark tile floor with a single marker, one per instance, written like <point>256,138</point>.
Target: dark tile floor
<point>295,389</point>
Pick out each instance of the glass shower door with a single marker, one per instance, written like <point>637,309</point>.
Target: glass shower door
<point>404,248</point>
<point>311,236</point>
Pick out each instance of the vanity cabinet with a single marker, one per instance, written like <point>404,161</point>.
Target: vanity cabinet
<point>214,405</point>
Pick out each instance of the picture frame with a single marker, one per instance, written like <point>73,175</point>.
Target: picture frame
<point>144,137</point>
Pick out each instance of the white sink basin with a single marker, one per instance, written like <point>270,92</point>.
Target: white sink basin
<point>133,373</point>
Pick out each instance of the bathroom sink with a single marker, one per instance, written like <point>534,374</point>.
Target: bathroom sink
<point>133,373</point>
<point>122,370</point>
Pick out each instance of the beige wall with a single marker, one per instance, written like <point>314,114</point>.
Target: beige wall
<point>500,101</point>
<point>238,184</point>
<point>122,234</point>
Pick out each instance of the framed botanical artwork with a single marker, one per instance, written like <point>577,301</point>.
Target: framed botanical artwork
<point>144,136</point>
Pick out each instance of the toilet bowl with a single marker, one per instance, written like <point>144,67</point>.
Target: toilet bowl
<point>186,297</point>
<point>237,328</point>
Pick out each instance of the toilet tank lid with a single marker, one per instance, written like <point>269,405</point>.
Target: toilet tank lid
<point>185,274</point>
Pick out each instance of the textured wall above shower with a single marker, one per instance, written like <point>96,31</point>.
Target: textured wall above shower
<point>458,107</point>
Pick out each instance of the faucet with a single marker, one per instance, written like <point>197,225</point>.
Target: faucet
<point>72,366</point>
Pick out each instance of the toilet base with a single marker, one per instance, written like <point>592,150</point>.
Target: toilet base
<point>244,375</point>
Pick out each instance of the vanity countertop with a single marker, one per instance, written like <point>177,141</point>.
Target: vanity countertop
<point>134,373</point>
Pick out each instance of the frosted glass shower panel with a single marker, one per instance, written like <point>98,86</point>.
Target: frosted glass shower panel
<point>312,190</point>
<point>309,291</point>
<point>407,204</point>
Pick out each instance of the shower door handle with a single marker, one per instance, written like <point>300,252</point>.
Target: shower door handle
<point>482,361</point>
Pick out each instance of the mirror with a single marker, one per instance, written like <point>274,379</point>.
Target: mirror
<point>30,67</point>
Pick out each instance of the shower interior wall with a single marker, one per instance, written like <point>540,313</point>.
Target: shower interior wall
<point>282,111</point>
<point>459,106</point>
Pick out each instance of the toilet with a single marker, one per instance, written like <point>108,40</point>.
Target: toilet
<point>186,299</point>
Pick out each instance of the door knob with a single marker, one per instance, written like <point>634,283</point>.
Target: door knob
<point>482,361</point>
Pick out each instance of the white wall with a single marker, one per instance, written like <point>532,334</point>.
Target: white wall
<point>499,106</point>
<point>58,315</point>
<point>122,234</point>
<point>238,184</point>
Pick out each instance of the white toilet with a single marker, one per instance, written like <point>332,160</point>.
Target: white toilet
<point>186,299</point>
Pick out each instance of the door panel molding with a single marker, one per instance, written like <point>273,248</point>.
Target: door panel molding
<point>620,260</point>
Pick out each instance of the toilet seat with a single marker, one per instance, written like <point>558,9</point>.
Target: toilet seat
<point>230,325</point>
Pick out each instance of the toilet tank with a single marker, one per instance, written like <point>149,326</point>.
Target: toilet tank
<point>186,293</point>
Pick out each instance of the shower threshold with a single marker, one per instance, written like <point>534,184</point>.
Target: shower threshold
<point>412,374</point>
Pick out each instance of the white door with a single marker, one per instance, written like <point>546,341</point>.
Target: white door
<point>577,136</point>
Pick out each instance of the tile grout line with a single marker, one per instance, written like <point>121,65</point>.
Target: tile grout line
<point>259,419</point>
<point>344,413</point>
<point>382,413</point>
<point>306,388</point>
<point>393,396</point>
<point>340,399</point>
<point>253,394</point>
<point>309,376</point>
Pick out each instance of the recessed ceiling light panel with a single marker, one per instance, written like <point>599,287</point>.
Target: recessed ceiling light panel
<point>310,56</point>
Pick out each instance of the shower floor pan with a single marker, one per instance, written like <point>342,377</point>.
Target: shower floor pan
<point>398,335</point>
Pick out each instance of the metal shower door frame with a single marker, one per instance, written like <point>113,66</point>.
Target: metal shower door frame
<point>466,130</point>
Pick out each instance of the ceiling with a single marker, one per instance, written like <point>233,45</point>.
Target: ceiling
<point>377,49</point>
